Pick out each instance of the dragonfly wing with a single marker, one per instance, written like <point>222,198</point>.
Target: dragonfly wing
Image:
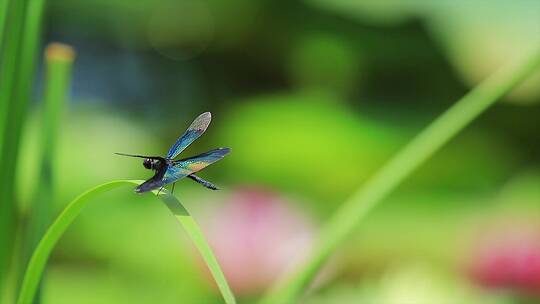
<point>187,166</point>
<point>175,173</point>
<point>195,130</point>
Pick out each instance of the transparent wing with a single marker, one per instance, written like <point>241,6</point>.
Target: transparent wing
<point>187,166</point>
<point>195,130</point>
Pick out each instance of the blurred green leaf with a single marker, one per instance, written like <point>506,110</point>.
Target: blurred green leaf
<point>466,31</point>
<point>325,62</point>
<point>314,145</point>
<point>304,143</point>
<point>397,169</point>
<point>408,282</point>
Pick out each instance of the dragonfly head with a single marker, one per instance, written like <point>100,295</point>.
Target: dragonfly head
<point>149,163</point>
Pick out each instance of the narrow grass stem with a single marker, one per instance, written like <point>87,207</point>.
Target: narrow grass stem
<point>16,73</point>
<point>4,4</point>
<point>58,60</point>
<point>9,58</point>
<point>38,261</point>
<point>423,146</point>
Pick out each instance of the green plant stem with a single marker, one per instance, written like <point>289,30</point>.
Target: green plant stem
<point>4,4</point>
<point>23,47</point>
<point>9,60</point>
<point>40,256</point>
<point>423,146</point>
<point>58,60</point>
<point>17,70</point>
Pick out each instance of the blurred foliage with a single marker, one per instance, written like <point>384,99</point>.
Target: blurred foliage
<point>416,283</point>
<point>465,30</point>
<point>128,23</point>
<point>325,63</point>
<point>327,151</point>
<point>312,97</point>
<point>304,143</point>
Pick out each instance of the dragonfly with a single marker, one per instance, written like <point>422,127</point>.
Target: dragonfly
<point>168,170</point>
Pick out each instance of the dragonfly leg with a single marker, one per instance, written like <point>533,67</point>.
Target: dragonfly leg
<point>159,191</point>
<point>201,181</point>
<point>172,191</point>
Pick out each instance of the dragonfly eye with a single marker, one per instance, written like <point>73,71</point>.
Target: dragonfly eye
<point>147,163</point>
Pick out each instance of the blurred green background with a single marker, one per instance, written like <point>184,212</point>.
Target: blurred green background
<point>312,96</point>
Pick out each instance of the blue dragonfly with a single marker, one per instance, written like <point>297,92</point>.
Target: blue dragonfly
<point>168,170</point>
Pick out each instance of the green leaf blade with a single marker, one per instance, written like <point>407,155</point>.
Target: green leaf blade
<point>198,239</point>
<point>42,252</point>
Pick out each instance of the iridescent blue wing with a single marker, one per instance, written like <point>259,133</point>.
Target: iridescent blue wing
<point>195,130</point>
<point>187,166</point>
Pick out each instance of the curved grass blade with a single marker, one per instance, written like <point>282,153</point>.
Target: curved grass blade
<point>41,254</point>
<point>412,156</point>
<point>194,232</point>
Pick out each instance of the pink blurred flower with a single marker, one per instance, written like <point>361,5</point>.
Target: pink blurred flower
<point>257,235</point>
<point>508,256</point>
